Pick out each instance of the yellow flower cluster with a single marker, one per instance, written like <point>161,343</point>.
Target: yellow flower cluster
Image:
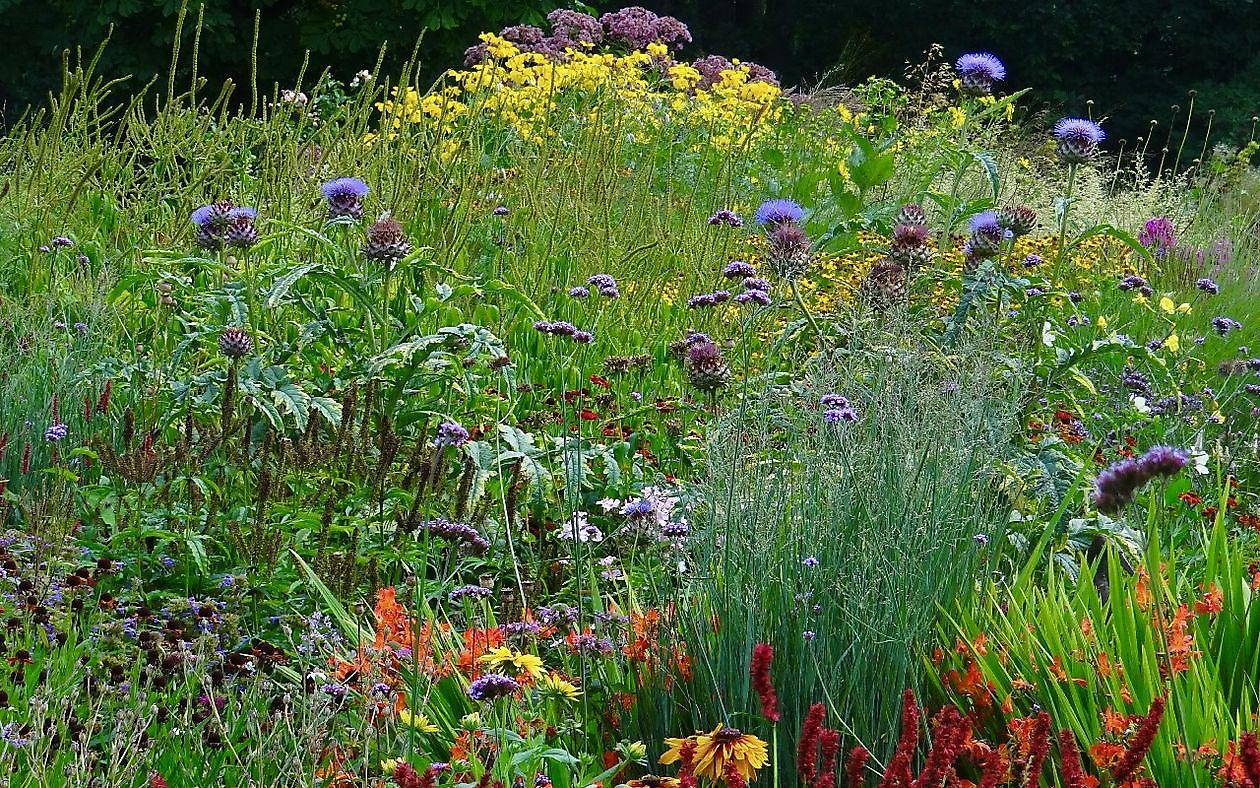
<point>537,97</point>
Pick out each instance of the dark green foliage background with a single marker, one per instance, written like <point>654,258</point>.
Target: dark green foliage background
<point>1133,58</point>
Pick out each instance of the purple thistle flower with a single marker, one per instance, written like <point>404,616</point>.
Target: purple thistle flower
<point>726,217</point>
<point>775,212</point>
<point>491,686</point>
<point>1208,286</point>
<point>1078,139</point>
<point>977,71</point>
<point>345,197</point>
<point>1163,461</point>
<point>736,269</point>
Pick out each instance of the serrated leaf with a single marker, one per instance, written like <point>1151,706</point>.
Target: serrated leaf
<point>283,284</point>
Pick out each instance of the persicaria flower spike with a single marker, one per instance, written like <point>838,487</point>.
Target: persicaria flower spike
<point>762,657</point>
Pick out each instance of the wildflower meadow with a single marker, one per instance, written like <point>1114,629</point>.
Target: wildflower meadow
<point>599,415</point>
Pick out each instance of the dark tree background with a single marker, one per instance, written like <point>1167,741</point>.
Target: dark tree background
<point>1133,58</point>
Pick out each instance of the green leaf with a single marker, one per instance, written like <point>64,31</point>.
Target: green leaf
<point>280,288</point>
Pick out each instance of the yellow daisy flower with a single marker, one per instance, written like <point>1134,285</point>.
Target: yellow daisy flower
<point>716,749</point>
<point>418,721</point>
<point>553,685</point>
<point>525,664</point>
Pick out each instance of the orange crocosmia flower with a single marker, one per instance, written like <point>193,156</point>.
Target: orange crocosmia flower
<point>1180,642</point>
<point>1022,684</point>
<point>978,645</point>
<point>1087,628</point>
<point>1106,754</point>
<point>1190,499</point>
<point>1232,771</point>
<point>1213,602</point>
<point>477,643</point>
<point>1056,669</point>
<point>1143,589</point>
<point>1104,665</point>
<point>1114,722</point>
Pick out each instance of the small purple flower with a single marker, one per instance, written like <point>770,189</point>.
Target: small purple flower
<point>579,292</point>
<point>833,401</point>
<point>56,432</point>
<point>469,592</point>
<point>491,686</point>
<point>1224,325</point>
<point>737,269</point>
<point>84,260</point>
<point>610,292</point>
<point>980,539</point>
<point>837,415</point>
<point>583,337</point>
<point>1075,297</point>
<point>1076,321</point>
<point>46,249</point>
<point>809,635</point>
<point>753,297</point>
<point>501,210</point>
<point>1032,261</point>
<point>167,562</point>
<point>1163,461</point>
<point>61,242</point>
<point>675,530</point>
<point>450,433</point>
<point>977,71</point>
<point>1034,292</point>
<point>1078,139</point>
<point>82,328</point>
<point>755,283</point>
<point>1155,344</point>
<point>602,281</point>
<point>702,300</point>
<point>1133,282</point>
<point>638,509</point>
<point>810,561</point>
<point>1208,286</point>
<point>775,212</point>
<point>726,217</point>
<point>1252,388</point>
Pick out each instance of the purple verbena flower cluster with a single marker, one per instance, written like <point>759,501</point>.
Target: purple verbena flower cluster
<point>492,686</point>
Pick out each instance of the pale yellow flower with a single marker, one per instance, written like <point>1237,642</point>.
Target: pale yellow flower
<point>418,721</point>
<point>525,663</point>
<point>1172,344</point>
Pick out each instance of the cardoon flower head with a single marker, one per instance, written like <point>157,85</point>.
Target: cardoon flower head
<point>789,252</point>
<point>1163,461</point>
<point>1158,235</point>
<point>638,509</point>
<point>491,686</point>
<point>450,434</point>
<point>1224,325</point>
<point>776,212</point>
<point>579,292</point>
<point>737,269</point>
<point>1208,286</point>
<point>345,197</point>
<point>1078,139</point>
<point>56,433</point>
<point>977,71</point>
<point>726,217</point>
<point>987,234</point>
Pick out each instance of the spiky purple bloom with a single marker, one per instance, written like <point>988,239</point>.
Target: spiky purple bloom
<point>1158,235</point>
<point>736,269</point>
<point>450,434</point>
<point>638,509</point>
<point>1078,139</point>
<point>760,297</point>
<point>56,433</point>
<point>492,686</point>
<point>987,234</point>
<point>1224,325</point>
<point>977,71</point>
<point>775,212</point>
<point>1117,485</point>
<point>1208,286</point>
<point>727,218</point>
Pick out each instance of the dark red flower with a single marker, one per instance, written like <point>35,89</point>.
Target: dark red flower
<point>1141,744</point>
<point>762,657</point>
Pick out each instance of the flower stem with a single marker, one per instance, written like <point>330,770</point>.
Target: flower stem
<point>1067,205</point>
<point>809,316</point>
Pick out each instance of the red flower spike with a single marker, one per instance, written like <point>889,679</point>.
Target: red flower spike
<point>762,657</point>
<point>855,766</point>
<point>1070,771</point>
<point>1141,744</point>
<point>807,747</point>
<point>947,741</point>
<point>830,753</point>
<point>898,773</point>
<point>1250,751</point>
<point>732,777</point>
<point>1040,746</point>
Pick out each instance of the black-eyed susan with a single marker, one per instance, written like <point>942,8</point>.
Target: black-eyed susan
<point>417,720</point>
<point>716,749</point>
<point>653,781</point>
<point>557,687</point>
<point>525,664</point>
